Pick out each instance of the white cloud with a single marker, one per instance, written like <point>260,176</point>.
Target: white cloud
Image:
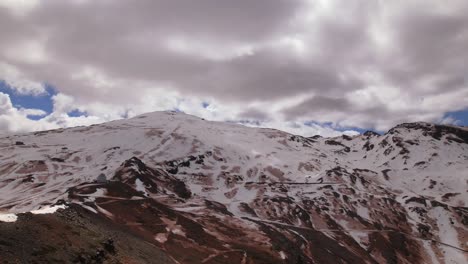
<point>5,104</point>
<point>63,103</point>
<point>299,128</point>
<point>14,119</point>
<point>19,81</point>
<point>32,112</point>
<point>449,120</point>
<point>19,7</point>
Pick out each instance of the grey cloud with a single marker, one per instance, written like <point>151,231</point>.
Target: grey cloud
<point>320,104</point>
<point>424,53</point>
<point>430,43</point>
<point>254,114</point>
<point>214,19</point>
<point>106,35</point>
<point>266,75</point>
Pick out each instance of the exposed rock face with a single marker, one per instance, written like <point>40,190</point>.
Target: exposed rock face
<point>136,173</point>
<point>457,134</point>
<point>207,192</point>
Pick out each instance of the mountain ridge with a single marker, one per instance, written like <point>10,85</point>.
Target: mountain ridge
<point>396,197</point>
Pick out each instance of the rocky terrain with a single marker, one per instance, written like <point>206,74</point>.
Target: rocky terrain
<point>168,187</point>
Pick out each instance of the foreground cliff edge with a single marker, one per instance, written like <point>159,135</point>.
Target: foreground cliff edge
<point>172,188</point>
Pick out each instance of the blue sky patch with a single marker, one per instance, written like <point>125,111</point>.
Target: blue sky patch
<point>340,128</point>
<point>460,116</point>
<point>77,113</point>
<point>42,101</point>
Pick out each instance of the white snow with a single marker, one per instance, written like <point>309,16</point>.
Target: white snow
<point>282,255</point>
<point>140,186</point>
<point>45,210</point>
<point>362,237</point>
<point>8,218</point>
<point>430,251</point>
<point>161,237</point>
<point>48,209</point>
<point>448,235</point>
<point>363,212</point>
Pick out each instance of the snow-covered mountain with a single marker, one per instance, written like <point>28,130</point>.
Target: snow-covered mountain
<point>212,192</point>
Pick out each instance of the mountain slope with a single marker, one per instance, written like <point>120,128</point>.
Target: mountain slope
<point>210,192</point>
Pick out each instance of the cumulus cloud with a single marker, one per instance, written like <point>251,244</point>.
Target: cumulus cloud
<point>13,119</point>
<point>16,80</point>
<point>276,63</point>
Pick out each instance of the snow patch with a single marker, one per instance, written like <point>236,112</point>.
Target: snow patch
<point>8,218</point>
<point>282,255</point>
<point>45,210</point>
<point>49,209</point>
<point>363,212</point>
<point>161,237</point>
<point>140,186</point>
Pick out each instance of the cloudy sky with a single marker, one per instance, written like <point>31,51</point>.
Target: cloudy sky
<point>305,66</point>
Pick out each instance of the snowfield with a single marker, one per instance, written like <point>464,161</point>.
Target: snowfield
<point>398,196</point>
